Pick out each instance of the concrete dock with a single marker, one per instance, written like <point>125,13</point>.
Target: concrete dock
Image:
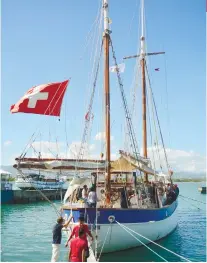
<point>30,196</point>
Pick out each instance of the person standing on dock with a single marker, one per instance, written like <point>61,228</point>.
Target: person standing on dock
<point>75,233</point>
<point>78,247</point>
<point>57,236</point>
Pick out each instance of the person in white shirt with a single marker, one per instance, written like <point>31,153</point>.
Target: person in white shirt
<point>92,198</point>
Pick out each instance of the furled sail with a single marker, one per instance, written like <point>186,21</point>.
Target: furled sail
<point>126,163</point>
<point>63,164</point>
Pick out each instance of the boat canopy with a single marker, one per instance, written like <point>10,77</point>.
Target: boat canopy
<point>74,184</point>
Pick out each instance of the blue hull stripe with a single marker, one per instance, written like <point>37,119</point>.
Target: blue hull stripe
<point>123,215</point>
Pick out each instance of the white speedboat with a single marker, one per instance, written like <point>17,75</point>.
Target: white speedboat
<point>36,181</point>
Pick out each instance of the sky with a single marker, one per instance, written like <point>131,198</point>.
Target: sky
<point>46,41</point>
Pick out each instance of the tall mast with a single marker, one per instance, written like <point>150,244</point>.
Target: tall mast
<point>144,110</point>
<point>107,100</point>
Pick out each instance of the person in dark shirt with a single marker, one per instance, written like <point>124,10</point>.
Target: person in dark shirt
<point>78,247</point>
<point>171,197</point>
<point>176,189</point>
<point>57,236</point>
<point>123,199</point>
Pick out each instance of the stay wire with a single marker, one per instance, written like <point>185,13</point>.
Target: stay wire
<point>168,166</point>
<point>55,208</point>
<point>104,242</point>
<point>191,203</point>
<point>134,143</point>
<point>154,242</point>
<point>125,228</point>
<point>193,199</point>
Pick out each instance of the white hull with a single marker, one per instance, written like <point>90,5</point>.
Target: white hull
<point>30,184</point>
<point>118,239</point>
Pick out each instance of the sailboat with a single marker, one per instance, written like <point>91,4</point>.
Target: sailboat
<point>141,210</point>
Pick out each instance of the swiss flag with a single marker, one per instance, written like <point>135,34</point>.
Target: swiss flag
<point>44,99</point>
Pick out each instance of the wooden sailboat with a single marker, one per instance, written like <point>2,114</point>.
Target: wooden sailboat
<point>144,213</point>
<point>149,219</point>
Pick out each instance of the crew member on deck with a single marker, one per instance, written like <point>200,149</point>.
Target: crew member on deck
<point>92,198</point>
<point>176,189</point>
<point>170,197</point>
<point>123,199</point>
<point>160,194</point>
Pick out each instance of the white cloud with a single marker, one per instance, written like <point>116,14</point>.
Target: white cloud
<point>49,150</point>
<point>7,143</point>
<point>102,136</point>
<point>46,148</point>
<point>179,160</point>
<point>52,149</point>
<point>92,147</point>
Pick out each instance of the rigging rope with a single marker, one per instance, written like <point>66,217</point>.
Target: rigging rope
<point>94,56</point>
<point>104,242</point>
<point>153,157</point>
<point>154,242</point>
<point>89,34</point>
<point>134,143</point>
<point>125,228</point>
<point>190,204</point>
<point>168,166</point>
<point>89,112</point>
<point>166,89</point>
<point>156,143</point>
<point>193,199</point>
<point>55,208</point>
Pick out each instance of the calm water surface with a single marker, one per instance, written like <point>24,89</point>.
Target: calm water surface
<point>27,233</point>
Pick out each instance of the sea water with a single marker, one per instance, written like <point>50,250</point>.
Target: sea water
<point>26,233</point>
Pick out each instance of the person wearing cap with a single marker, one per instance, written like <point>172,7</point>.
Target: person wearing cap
<point>78,247</point>
<point>57,236</point>
<point>86,230</point>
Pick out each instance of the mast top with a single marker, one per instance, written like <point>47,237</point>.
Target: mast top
<point>142,38</point>
<point>106,17</point>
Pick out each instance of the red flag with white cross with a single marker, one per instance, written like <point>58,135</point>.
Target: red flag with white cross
<point>44,99</point>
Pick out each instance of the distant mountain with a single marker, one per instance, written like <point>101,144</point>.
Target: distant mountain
<point>10,169</point>
<point>189,175</point>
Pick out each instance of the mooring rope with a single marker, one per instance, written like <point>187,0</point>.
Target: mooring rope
<point>104,242</point>
<point>193,199</point>
<point>125,228</point>
<point>43,195</point>
<point>190,203</point>
<point>170,251</point>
